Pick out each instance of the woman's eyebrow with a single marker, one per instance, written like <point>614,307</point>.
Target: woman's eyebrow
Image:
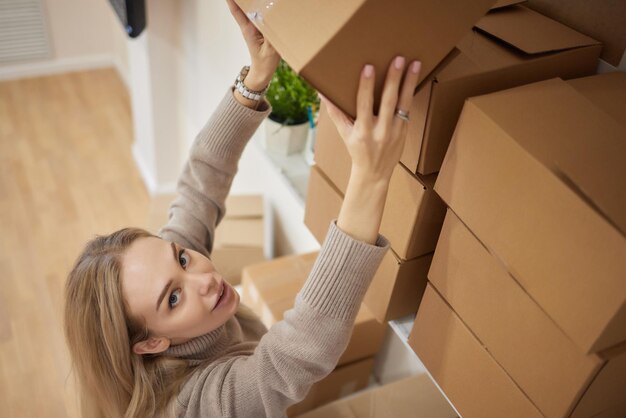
<point>169,283</point>
<point>163,292</point>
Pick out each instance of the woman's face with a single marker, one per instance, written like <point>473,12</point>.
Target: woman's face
<point>176,291</point>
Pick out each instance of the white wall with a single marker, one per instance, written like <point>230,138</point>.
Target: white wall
<point>83,34</point>
<point>78,27</point>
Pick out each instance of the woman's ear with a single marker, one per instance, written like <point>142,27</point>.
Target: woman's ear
<point>153,345</point>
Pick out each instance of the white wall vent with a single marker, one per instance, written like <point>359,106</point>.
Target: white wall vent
<point>23,31</point>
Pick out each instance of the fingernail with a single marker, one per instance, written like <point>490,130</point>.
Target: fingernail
<point>399,62</point>
<point>415,67</point>
<point>368,71</point>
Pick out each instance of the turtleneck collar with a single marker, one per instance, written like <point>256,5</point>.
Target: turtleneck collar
<point>239,335</point>
<point>206,346</point>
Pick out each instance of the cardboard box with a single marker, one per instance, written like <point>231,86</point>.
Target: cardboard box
<point>618,411</point>
<point>505,3</point>
<point>323,203</point>
<point>538,174</point>
<point>606,393</point>
<point>471,379</point>
<point>605,22</point>
<point>270,289</point>
<point>329,42</point>
<point>397,286</point>
<point>412,397</point>
<point>343,381</point>
<point>413,212</point>
<point>549,368</point>
<point>607,91</point>
<point>509,47</point>
<point>240,237</point>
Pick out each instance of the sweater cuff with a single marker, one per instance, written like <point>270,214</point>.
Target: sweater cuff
<point>342,273</point>
<point>229,129</point>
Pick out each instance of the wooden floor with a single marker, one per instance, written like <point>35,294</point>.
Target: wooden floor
<point>66,174</point>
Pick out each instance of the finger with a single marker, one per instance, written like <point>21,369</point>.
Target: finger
<point>251,35</point>
<point>408,86</point>
<point>238,14</point>
<point>389,100</point>
<point>341,121</point>
<point>365,95</point>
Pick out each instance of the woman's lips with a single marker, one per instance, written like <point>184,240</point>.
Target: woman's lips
<point>224,297</point>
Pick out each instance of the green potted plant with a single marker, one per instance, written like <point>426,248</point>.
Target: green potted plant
<point>292,99</point>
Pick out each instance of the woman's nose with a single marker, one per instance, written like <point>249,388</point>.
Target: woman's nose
<point>206,282</point>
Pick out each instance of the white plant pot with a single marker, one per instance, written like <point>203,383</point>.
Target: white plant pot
<point>285,139</point>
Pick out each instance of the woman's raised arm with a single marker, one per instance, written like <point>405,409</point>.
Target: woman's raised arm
<point>375,144</point>
<point>305,346</point>
<point>207,176</point>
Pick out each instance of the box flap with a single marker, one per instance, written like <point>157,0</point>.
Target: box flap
<point>574,139</point>
<point>607,91</point>
<point>505,3</point>
<point>531,32</point>
<point>603,20</point>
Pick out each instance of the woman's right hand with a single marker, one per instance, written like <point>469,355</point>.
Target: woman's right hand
<point>264,58</point>
<point>375,143</point>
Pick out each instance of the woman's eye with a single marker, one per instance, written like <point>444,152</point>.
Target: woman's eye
<point>174,298</point>
<point>183,259</point>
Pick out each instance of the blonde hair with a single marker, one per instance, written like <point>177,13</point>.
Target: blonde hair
<point>113,380</point>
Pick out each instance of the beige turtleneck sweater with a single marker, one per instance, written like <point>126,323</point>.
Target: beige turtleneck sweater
<point>245,370</point>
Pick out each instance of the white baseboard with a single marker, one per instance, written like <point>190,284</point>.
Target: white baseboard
<point>57,66</point>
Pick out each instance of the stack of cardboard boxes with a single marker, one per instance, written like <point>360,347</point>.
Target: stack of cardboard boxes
<point>270,289</point>
<point>508,47</point>
<point>527,289</point>
<point>525,311</point>
<point>499,53</point>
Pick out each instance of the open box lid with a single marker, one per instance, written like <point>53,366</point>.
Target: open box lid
<point>531,32</point>
<point>577,141</point>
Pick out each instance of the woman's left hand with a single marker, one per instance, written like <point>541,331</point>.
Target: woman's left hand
<point>264,58</point>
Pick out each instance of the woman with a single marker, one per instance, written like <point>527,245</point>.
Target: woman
<point>152,327</point>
